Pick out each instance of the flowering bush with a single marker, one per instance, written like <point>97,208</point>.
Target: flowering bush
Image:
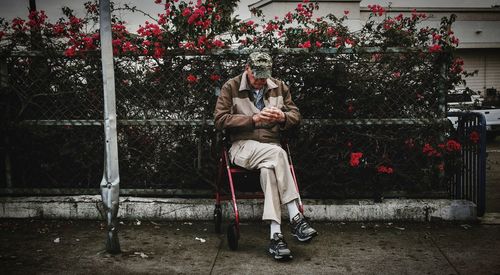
<point>165,71</point>
<point>297,29</point>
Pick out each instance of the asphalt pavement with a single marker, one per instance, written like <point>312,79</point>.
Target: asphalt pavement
<point>159,247</point>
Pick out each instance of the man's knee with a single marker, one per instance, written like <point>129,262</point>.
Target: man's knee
<point>279,152</point>
<point>265,171</point>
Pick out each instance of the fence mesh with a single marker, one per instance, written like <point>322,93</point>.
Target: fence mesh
<point>385,105</point>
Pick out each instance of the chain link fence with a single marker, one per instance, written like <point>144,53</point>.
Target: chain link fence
<point>383,104</point>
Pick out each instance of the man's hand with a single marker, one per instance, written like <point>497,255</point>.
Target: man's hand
<point>270,115</point>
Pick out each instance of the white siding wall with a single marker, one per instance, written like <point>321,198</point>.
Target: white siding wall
<point>493,70</point>
<point>487,62</point>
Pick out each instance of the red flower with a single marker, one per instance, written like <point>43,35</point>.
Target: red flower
<point>415,15</point>
<point>457,65</point>
<point>74,21</point>
<point>163,19</point>
<point>349,41</point>
<point>385,169</point>
<point>396,74</point>
<point>70,52</point>
<point>454,40</point>
<point>453,145</point>
<point>192,79</point>
<point>376,9</point>
<point>36,19</point>
<point>330,31</point>
<point>58,28</point>
<point>436,37</point>
<point>214,77</point>
<point>201,40</point>
<point>346,12</point>
<point>200,12</point>
<point>119,28</point>
<point>148,30</point>
<point>159,51</point>
<point>18,24</point>
<point>305,45</point>
<point>300,7</point>
<point>354,162</point>
<point>89,43</point>
<point>430,151</point>
<point>116,42</point>
<point>188,45</point>
<point>435,48</point>
<point>186,12</point>
<point>318,44</point>
<point>271,27</point>
<point>474,136</point>
<point>388,23</point>
<point>128,47</point>
<point>219,44</point>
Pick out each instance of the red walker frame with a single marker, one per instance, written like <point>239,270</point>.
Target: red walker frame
<point>225,167</point>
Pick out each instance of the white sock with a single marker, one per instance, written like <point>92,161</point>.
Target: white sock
<point>293,210</point>
<point>275,228</point>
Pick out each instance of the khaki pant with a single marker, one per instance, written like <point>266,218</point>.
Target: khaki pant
<point>276,178</point>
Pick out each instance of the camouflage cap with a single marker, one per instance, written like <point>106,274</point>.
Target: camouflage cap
<point>261,64</point>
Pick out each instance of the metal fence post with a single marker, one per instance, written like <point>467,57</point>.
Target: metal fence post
<point>110,187</point>
<point>442,89</point>
<point>443,69</point>
<point>4,84</point>
<point>481,196</point>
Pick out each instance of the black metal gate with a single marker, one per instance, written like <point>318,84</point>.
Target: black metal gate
<point>469,183</point>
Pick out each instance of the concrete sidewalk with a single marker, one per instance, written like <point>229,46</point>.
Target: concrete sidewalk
<point>180,209</point>
<point>75,247</point>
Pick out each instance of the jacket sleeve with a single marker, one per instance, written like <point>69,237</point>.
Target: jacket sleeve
<point>223,115</point>
<point>292,114</point>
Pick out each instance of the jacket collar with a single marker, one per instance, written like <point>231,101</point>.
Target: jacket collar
<point>245,86</point>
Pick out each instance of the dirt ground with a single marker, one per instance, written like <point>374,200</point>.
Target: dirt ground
<point>76,247</point>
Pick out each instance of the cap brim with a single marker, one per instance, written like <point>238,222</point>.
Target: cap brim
<point>261,73</point>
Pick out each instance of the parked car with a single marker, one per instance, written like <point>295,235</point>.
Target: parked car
<point>462,98</point>
<point>468,101</point>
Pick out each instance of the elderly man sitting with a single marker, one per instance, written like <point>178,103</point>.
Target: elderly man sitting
<point>255,108</point>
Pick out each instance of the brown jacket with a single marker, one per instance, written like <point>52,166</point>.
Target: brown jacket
<point>235,108</point>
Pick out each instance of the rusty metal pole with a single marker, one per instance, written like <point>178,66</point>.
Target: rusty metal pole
<point>110,184</point>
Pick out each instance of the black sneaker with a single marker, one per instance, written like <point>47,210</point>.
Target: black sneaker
<point>278,248</point>
<point>301,229</point>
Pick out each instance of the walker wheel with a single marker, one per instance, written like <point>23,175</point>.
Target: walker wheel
<point>232,236</point>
